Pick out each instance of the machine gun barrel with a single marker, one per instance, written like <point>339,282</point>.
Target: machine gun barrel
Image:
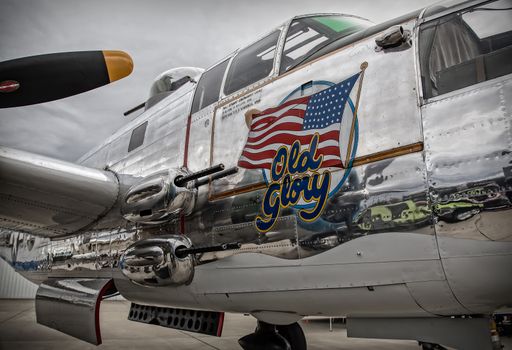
<point>182,252</point>
<point>134,109</point>
<point>219,175</point>
<point>181,181</point>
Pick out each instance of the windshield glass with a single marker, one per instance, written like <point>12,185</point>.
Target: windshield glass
<point>306,35</point>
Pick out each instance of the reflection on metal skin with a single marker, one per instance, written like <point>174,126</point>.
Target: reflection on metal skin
<point>72,306</point>
<point>469,161</point>
<point>156,199</point>
<point>153,262</point>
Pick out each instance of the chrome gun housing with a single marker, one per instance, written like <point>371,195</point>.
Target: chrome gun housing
<point>156,198</point>
<point>153,262</point>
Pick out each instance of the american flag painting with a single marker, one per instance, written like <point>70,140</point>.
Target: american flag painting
<point>299,120</point>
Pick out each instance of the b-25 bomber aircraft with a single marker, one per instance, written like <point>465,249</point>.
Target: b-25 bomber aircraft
<point>332,167</point>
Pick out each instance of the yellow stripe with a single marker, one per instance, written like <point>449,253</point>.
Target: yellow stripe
<point>119,64</point>
<point>390,153</point>
<point>371,158</point>
<point>239,190</point>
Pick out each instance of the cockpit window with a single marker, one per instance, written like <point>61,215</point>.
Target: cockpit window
<point>466,48</point>
<point>137,138</point>
<point>208,88</point>
<point>306,35</point>
<point>252,63</point>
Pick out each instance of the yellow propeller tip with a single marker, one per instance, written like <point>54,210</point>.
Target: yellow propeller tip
<point>119,64</point>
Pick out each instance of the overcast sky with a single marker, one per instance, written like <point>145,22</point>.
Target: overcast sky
<point>158,35</point>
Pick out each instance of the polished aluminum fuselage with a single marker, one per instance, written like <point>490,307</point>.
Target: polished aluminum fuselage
<point>394,240</point>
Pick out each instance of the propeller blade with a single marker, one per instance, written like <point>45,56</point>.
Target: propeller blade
<point>44,78</point>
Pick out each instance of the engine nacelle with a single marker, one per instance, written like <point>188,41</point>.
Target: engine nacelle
<point>156,199</point>
<point>153,262</point>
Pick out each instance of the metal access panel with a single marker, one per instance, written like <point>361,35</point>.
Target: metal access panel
<point>72,306</point>
<point>460,333</point>
<point>198,321</point>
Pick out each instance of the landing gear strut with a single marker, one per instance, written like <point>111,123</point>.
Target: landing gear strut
<point>271,337</point>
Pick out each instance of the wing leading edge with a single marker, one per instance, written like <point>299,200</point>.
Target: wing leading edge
<point>49,197</point>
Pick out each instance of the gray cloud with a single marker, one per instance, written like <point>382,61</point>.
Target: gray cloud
<point>157,34</point>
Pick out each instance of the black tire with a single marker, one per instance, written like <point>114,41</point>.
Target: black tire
<point>294,335</point>
<point>431,346</point>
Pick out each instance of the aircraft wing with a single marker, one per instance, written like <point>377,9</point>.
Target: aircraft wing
<point>44,196</point>
<point>49,197</point>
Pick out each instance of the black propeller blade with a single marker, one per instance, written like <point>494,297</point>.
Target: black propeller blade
<point>44,78</point>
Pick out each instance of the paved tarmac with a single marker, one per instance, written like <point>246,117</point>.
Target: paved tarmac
<point>19,331</point>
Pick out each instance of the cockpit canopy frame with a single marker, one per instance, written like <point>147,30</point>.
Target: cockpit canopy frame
<point>282,49</point>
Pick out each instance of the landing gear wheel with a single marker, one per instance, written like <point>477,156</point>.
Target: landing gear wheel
<point>294,335</point>
<point>264,338</point>
<point>431,346</point>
